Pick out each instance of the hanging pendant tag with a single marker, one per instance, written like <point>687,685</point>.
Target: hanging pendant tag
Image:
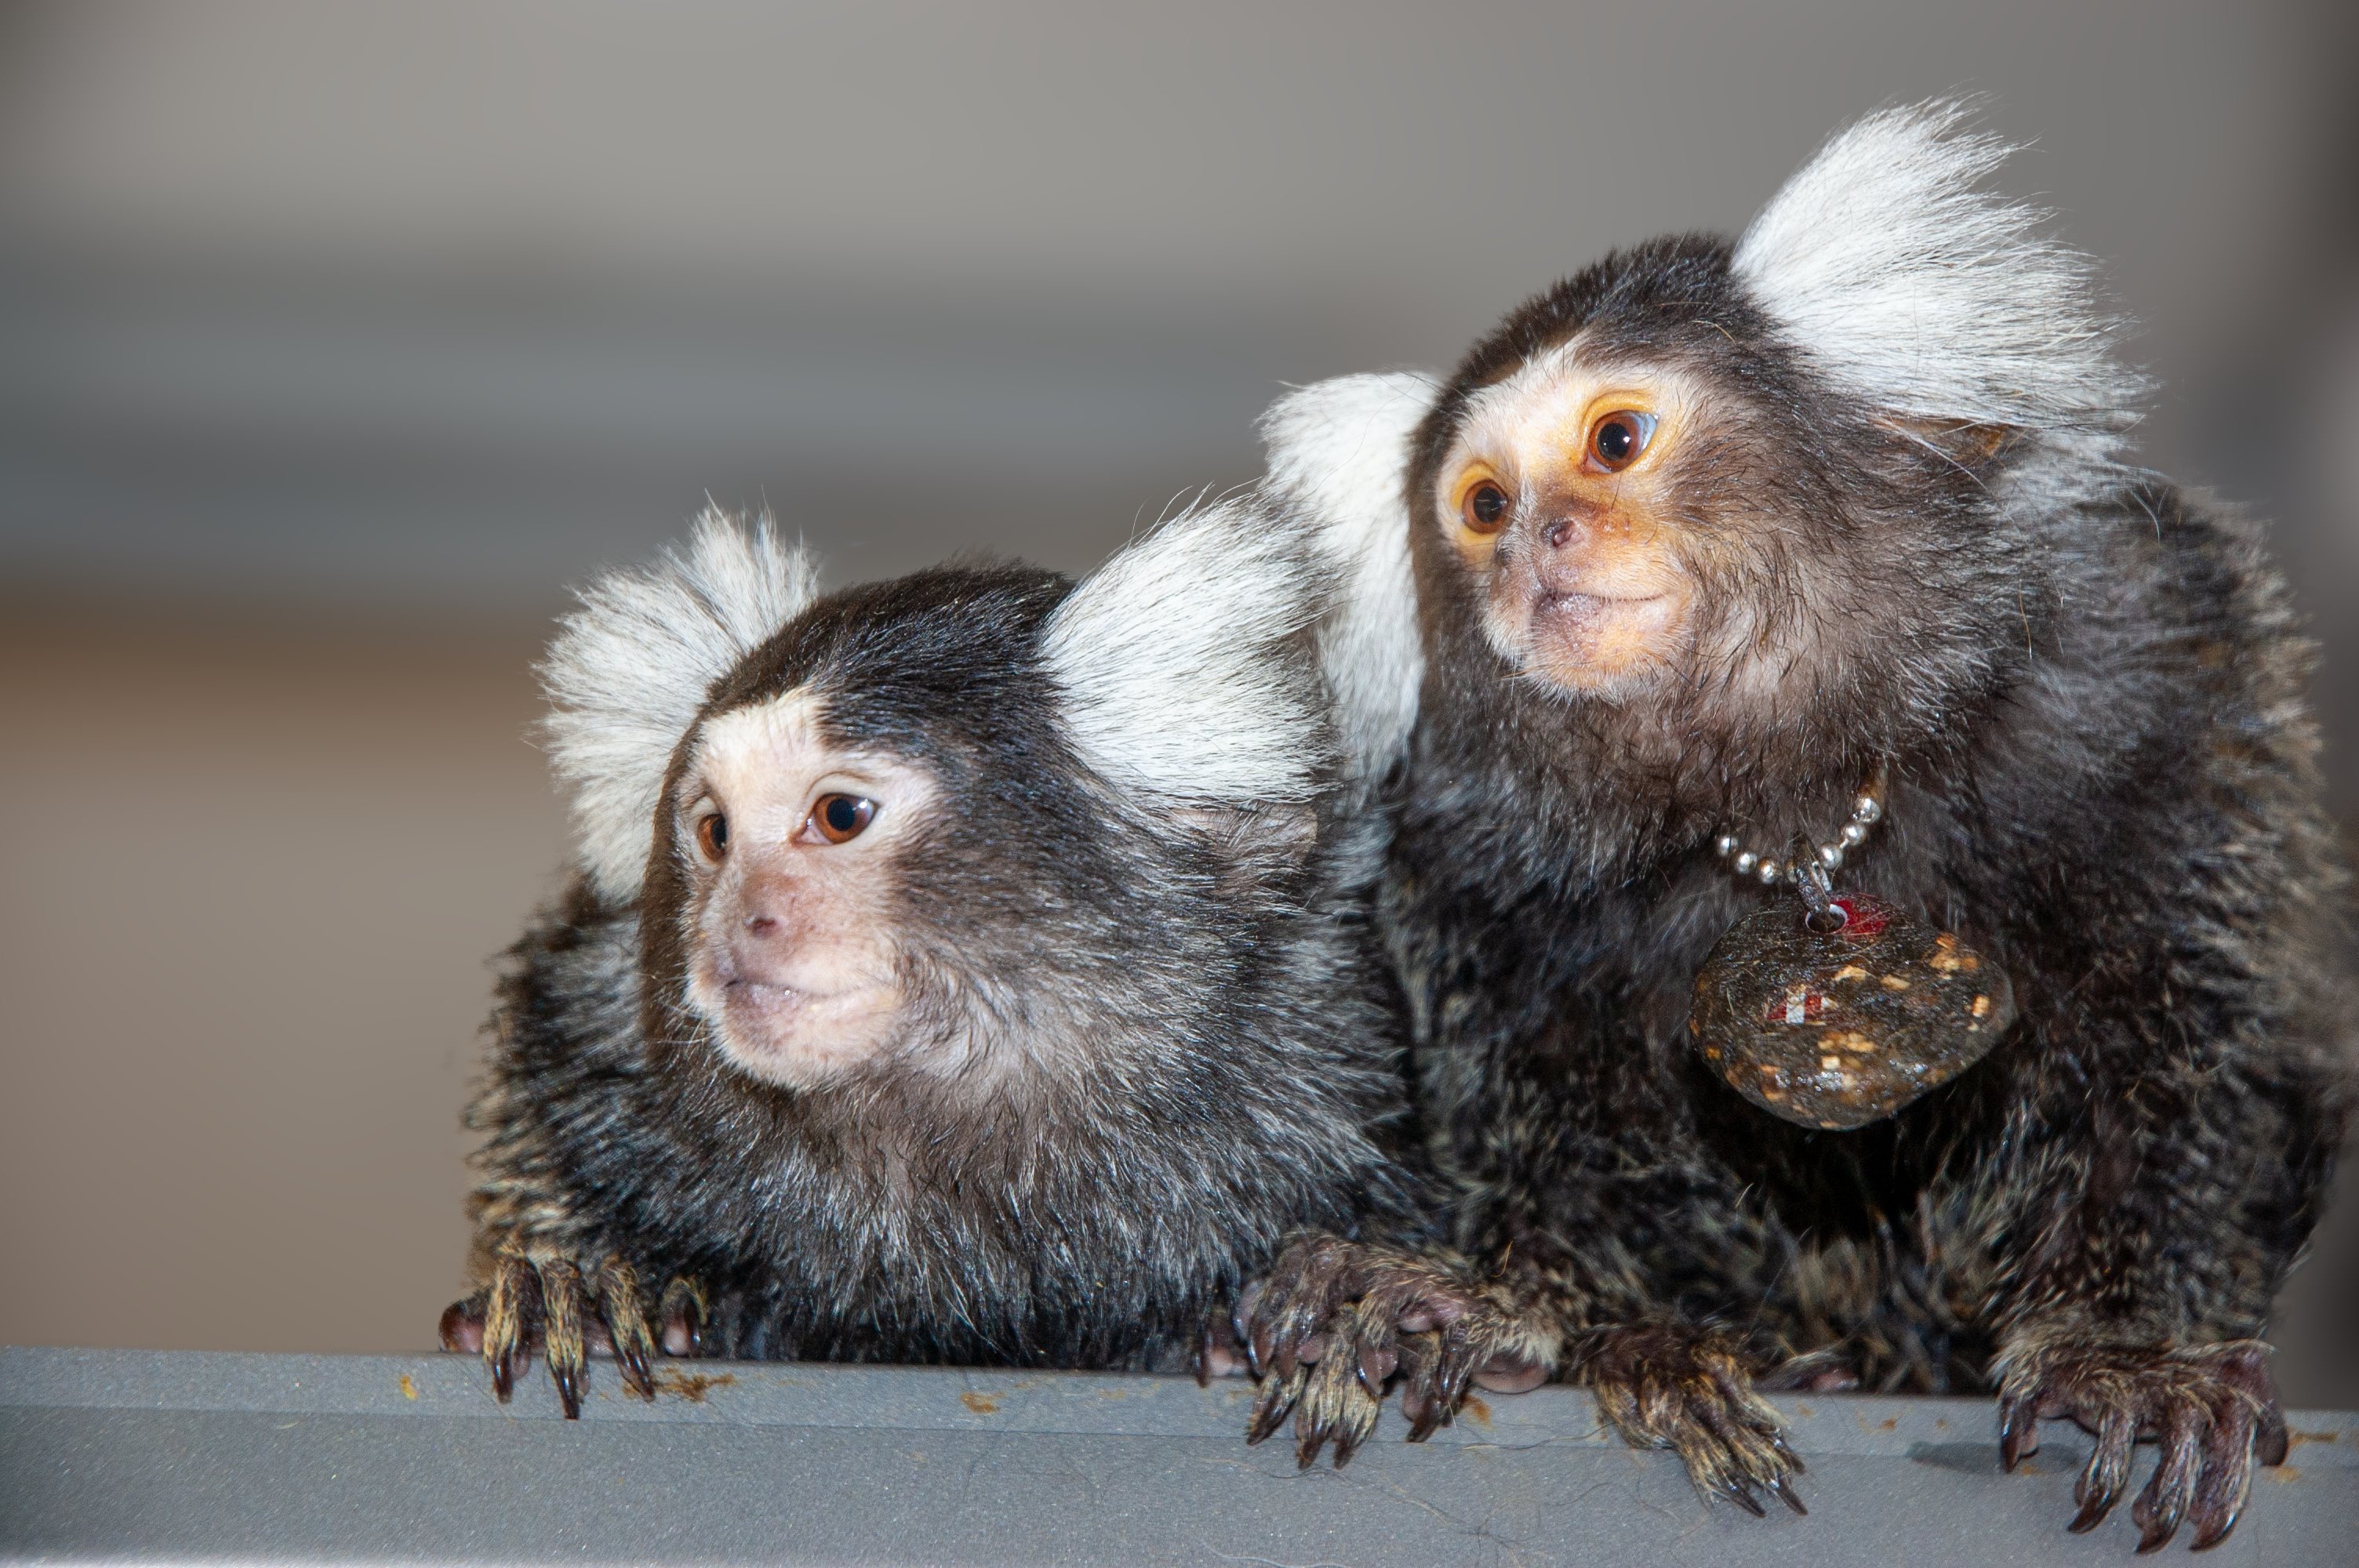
<point>1836,1028</point>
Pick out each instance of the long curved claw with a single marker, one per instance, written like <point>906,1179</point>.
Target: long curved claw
<point>2099,1485</point>
<point>509,1311</point>
<point>1275,1401</point>
<point>564,1302</point>
<point>635,1343</point>
<point>1421,1398</point>
<point>1333,1403</point>
<point>1462,1349</point>
<point>2227,1460</point>
<point>2163,1504</point>
<point>1241,1326</point>
<point>2018,1431</point>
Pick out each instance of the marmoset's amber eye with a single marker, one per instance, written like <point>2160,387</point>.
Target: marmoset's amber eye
<point>837,817</point>
<point>1485,509</point>
<point>713,836</point>
<point>1617,438</point>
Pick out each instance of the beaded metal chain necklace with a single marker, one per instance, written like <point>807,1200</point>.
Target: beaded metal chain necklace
<point>1841,1017</point>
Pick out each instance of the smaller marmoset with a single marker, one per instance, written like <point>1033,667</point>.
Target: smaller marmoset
<point>964,968</point>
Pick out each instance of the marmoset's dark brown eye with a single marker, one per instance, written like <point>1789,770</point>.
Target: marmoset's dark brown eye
<point>837,817</point>
<point>713,836</point>
<point>1616,440</point>
<point>1485,508</point>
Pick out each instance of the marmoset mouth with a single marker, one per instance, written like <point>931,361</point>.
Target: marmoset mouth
<point>1620,629</point>
<point>767,1000</point>
<point>800,1038</point>
<point>1592,642</point>
<point>1592,603</point>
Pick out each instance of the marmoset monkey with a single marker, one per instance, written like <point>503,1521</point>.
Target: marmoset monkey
<point>1827,538</point>
<point>964,968</point>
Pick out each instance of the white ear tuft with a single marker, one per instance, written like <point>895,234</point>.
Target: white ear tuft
<point>1338,455</point>
<point>630,669</point>
<point>1908,285</point>
<point>1173,660</point>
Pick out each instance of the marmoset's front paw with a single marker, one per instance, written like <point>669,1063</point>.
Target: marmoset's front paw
<point>553,1303</point>
<point>1337,1321</point>
<point>1676,1386</point>
<point>2213,1409</point>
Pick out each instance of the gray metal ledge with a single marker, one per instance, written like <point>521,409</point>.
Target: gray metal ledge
<point>186,1457</point>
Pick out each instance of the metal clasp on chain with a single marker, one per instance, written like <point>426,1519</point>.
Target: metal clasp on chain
<point>1824,916</point>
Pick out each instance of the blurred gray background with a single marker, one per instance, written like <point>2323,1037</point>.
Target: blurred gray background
<point>335,339</point>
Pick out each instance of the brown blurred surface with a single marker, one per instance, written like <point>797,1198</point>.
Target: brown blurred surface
<point>249,877</point>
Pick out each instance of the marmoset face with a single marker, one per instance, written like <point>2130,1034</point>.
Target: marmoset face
<point>791,843</point>
<point>1636,531</point>
<point>1560,495</point>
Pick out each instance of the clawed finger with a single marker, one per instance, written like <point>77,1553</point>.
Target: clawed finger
<point>2227,1459</point>
<point>1332,1406</point>
<point>511,1310</point>
<point>563,1301</point>
<point>1421,1398</point>
<point>1275,1401</point>
<point>2018,1431</point>
<point>626,1325</point>
<point>2099,1485</point>
<point>2163,1504</point>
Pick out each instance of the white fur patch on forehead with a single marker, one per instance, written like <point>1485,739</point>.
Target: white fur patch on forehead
<point>1338,460</point>
<point>763,762</point>
<point>630,669</point>
<point>1907,285</point>
<point>1501,419</point>
<point>778,739</point>
<point>1537,412</point>
<point>1171,655</point>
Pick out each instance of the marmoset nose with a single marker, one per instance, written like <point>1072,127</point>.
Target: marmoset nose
<point>763,946</point>
<point>765,911</point>
<point>1563,531</point>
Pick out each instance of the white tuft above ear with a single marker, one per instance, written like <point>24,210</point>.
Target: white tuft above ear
<point>1339,454</point>
<point>632,667</point>
<point>1909,286</point>
<point>1176,678</point>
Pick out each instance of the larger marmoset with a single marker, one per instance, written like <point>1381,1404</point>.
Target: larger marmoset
<point>965,968</point>
<point>1709,542</point>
